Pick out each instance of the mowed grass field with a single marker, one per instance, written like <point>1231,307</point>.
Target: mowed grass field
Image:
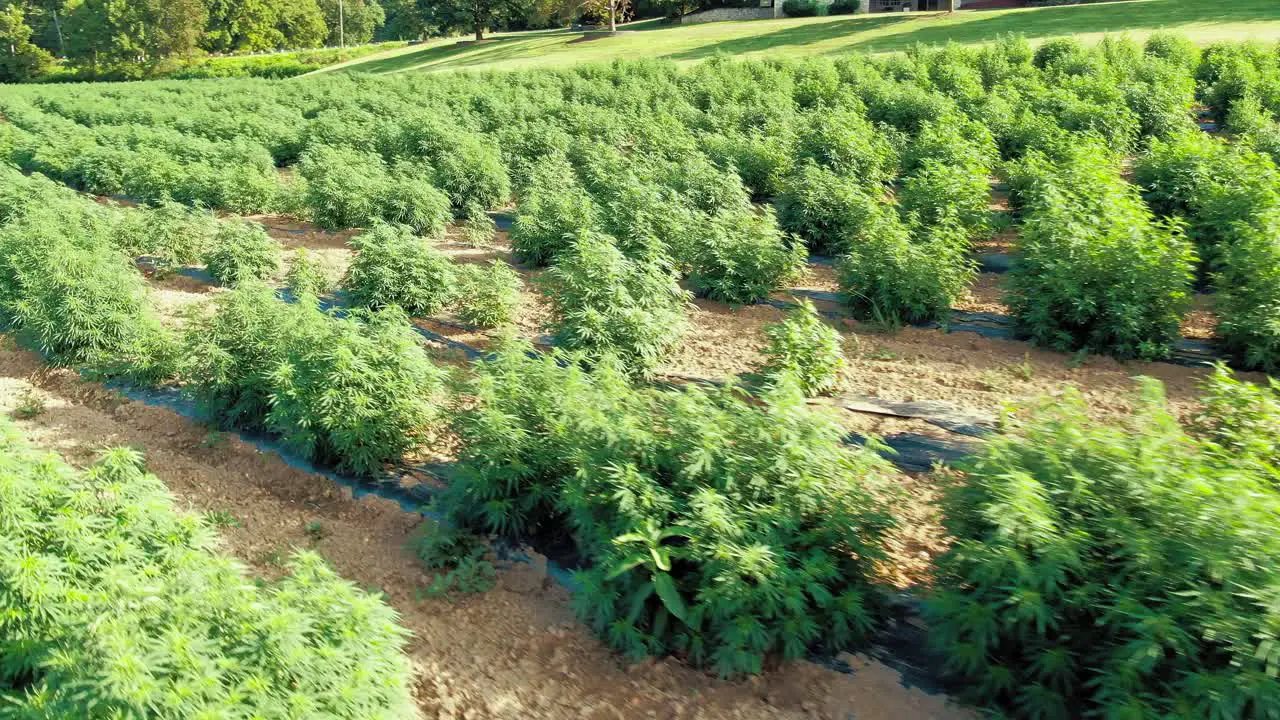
<point>1203,21</point>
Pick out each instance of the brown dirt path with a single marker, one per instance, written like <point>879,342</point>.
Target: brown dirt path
<point>515,652</point>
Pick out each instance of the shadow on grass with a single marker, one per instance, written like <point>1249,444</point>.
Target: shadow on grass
<point>794,36</point>
<point>461,55</point>
<point>983,26</point>
<point>871,33</point>
<point>1109,17</point>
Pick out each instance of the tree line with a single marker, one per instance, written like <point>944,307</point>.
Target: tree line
<point>104,37</point>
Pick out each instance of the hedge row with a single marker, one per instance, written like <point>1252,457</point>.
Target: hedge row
<point>351,392</point>
<point>1229,196</point>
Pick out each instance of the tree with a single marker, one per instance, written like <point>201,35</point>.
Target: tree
<point>20,59</point>
<point>45,18</point>
<point>241,25</point>
<point>252,25</point>
<point>474,15</point>
<point>104,34</point>
<point>302,24</point>
<point>360,18</point>
<point>607,8</point>
<point>404,21</point>
<point>123,35</point>
<point>174,27</point>
<point>674,8</point>
<point>565,11</point>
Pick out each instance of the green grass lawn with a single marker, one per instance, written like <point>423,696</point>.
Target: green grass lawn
<point>1203,20</point>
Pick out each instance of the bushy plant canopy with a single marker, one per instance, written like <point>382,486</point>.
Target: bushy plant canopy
<point>553,210</point>
<point>352,392</point>
<point>827,210</point>
<point>603,302</point>
<point>740,256</point>
<point>805,348</point>
<point>69,292</point>
<point>345,187</point>
<point>1095,270</point>
<point>1117,570</point>
<point>395,267</point>
<point>488,296</point>
<point>687,557</point>
<point>310,274</point>
<point>242,251</point>
<point>900,271</point>
<point>118,605</point>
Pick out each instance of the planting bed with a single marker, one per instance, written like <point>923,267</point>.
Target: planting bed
<point>511,653</point>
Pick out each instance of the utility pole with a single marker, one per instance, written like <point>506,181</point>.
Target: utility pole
<point>342,38</point>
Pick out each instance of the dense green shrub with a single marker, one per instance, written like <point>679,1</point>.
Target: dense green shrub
<point>653,222</point>
<point>800,8</point>
<point>310,274</point>
<point>1216,186</point>
<point>1115,569</point>
<point>344,187</point>
<point>1254,127</point>
<point>518,437</point>
<point>1161,95</point>
<point>554,208</point>
<point>827,210</point>
<point>1241,418</point>
<point>739,256</point>
<point>395,267</point>
<point>762,158</point>
<point>844,7</point>
<point>685,559</point>
<point>1230,197</point>
<point>901,271</point>
<point>1229,72</point>
<point>1066,53</point>
<point>1173,173</point>
<point>467,166</point>
<point>603,302</point>
<point>940,194</point>
<point>349,392</point>
<point>478,228</point>
<point>806,348</point>
<point>1248,284</point>
<point>1172,47</point>
<point>1007,59</point>
<point>488,297</point>
<point>240,251</point>
<point>955,141</point>
<point>116,604</point>
<point>171,234</point>
<point>410,199</point>
<point>905,107</point>
<point>69,292</point>
<point>1095,269</point>
<point>844,142</point>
